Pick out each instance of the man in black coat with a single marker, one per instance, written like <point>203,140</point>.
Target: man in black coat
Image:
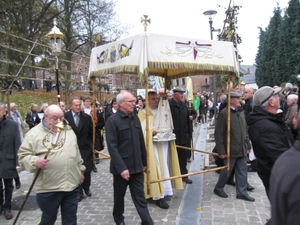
<point>10,142</point>
<point>126,146</point>
<point>84,133</point>
<point>248,107</point>
<point>285,186</point>
<point>181,122</point>
<point>268,132</point>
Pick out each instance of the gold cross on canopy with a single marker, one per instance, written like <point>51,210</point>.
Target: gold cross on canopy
<point>96,39</point>
<point>145,21</point>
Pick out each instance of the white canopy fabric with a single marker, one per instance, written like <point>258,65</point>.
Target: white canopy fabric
<point>172,57</point>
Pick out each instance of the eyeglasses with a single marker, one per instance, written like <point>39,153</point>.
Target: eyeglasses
<point>130,101</point>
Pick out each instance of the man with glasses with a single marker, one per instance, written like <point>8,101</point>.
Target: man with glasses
<point>61,173</point>
<point>268,132</point>
<point>126,146</point>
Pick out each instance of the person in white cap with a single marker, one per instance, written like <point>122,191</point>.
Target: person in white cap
<point>269,135</point>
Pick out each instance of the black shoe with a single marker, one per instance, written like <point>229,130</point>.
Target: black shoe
<point>97,161</point>
<point>246,198</point>
<point>250,188</point>
<point>161,203</point>
<point>18,184</point>
<point>122,223</point>
<point>221,194</point>
<point>88,192</point>
<point>187,180</point>
<point>8,215</point>
<point>250,169</point>
<point>231,182</point>
<point>168,197</point>
<point>95,170</point>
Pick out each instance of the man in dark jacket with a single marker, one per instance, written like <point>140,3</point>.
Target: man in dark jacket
<point>82,126</point>
<point>248,107</point>
<point>285,186</point>
<point>126,146</point>
<point>10,142</point>
<point>181,122</point>
<point>268,133</point>
<point>239,146</point>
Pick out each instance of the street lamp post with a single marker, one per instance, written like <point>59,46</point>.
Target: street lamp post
<point>210,14</point>
<point>55,37</point>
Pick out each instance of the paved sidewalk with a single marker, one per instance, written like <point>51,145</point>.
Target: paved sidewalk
<point>232,211</point>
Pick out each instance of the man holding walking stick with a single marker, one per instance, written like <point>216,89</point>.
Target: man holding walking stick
<point>61,172</point>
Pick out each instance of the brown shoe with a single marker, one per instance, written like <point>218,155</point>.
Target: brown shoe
<point>8,215</point>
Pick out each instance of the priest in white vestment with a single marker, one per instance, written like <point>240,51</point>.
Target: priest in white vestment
<point>163,160</point>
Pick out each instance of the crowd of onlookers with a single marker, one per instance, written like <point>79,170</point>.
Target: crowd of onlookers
<point>264,125</point>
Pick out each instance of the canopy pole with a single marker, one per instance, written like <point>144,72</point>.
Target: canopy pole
<point>188,174</point>
<point>148,135</point>
<point>196,150</point>
<point>228,125</point>
<point>94,114</point>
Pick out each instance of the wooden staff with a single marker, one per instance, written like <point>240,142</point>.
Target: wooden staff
<point>60,127</point>
<point>30,189</point>
<point>188,174</point>
<point>196,150</point>
<point>228,126</point>
<point>107,156</point>
<point>93,119</point>
<point>148,137</point>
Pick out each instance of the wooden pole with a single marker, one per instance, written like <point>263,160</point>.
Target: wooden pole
<point>93,119</point>
<point>196,150</point>
<point>107,156</point>
<point>228,126</point>
<point>31,186</point>
<point>148,137</point>
<point>188,174</point>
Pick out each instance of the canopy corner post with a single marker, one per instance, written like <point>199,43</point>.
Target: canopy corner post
<point>94,114</point>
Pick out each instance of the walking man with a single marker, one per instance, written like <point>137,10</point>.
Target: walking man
<point>82,125</point>
<point>126,146</point>
<point>9,144</point>
<point>239,145</point>
<point>61,173</point>
<point>181,121</point>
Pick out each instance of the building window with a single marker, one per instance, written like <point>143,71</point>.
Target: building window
<point>110,82</point>
<point>183,81</point>
<point>177,82</point>
<point>206,81</point>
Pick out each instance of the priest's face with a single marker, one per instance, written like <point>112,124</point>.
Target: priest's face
<point>153,100</point>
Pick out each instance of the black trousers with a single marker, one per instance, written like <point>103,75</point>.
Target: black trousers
<point>266,181</point>
<point>85,184</point>
<point>136,185</point>
<point>182,156</point>
<point>7,190</point>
